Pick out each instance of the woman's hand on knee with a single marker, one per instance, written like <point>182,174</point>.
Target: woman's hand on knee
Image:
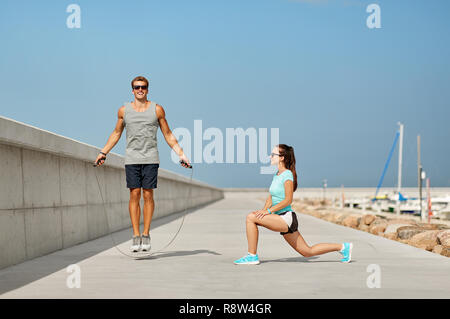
<point>261,213</point>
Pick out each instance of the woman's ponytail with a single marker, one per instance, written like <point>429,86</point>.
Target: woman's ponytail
<point>289,160</point>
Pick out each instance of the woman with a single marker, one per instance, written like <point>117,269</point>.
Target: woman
<point>277,214</point>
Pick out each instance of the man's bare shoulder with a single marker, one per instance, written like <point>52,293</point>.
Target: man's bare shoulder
<point>160,111</point>
<point>121,111</point>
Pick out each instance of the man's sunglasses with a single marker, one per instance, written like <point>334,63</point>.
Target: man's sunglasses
<point>137,87</point>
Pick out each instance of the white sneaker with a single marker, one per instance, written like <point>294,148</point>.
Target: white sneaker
<point>136,244</point>
<point>145,242</point>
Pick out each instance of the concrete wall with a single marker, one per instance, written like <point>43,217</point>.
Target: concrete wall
<point>50,198</point>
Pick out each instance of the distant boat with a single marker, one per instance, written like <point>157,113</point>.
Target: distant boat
<point>440,207</point>
<point>379,197</point>
<point>398,198</point>
<point>395,201</point>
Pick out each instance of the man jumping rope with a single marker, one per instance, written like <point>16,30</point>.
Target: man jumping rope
<point>141,119</point>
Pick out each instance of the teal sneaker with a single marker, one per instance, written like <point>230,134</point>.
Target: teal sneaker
<point>247,260</point>
<point>347,252</point>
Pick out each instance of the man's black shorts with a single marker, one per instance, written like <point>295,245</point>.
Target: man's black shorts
<point>142,175</point>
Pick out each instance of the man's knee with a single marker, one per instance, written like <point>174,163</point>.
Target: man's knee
<point>148,194</point>
<point>135,193</point>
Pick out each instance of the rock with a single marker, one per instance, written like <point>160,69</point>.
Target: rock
<point>328,217</point>
<point>402,221</point>
<point>437,249</point>
<point>325,202</point>
<point>364,227</point>
<point>444,238</point>
<point>391,236</point>
<point>368,219</point>
<point>406,232</point>
<point>392,228</point>
<point>425,240</point>
<point>351,221</point>
<point>441,250</point>
<point>314,213</point>
<point>315,203</point>
<point>378,221</point>
<point>432,226</point>
<point>378,229</point>
<point>421,246</point>
<point>319,213</point>
<point>338,217</point>
<point>445,251</point>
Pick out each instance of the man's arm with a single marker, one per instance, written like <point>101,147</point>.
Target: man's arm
<point>168,135</point>
<point>114,137</point>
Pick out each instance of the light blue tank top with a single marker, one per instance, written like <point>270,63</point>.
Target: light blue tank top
<point>142,129</point>
<point>277,189</point>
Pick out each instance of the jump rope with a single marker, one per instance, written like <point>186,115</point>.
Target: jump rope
<point>141,255</point>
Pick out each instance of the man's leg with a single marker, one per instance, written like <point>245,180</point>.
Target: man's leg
<point>149,182</point>
<point>135,209</point>
<point>149,207</point>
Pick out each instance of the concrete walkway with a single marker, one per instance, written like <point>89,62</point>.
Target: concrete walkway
<point>199,264</point>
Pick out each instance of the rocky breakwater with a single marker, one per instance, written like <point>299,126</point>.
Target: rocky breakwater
<point>431,237</point>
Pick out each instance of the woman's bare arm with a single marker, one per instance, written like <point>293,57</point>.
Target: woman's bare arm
<point>289,194</point>
<point>268,203</point>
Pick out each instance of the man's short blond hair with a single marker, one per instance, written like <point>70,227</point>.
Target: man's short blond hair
<point>139,78</point>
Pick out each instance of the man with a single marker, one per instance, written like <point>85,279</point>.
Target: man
<point>141,118</point>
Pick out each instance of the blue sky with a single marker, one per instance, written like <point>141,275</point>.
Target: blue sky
<point>334,88</point>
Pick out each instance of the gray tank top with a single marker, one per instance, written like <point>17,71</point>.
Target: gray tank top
<point>142,129</point>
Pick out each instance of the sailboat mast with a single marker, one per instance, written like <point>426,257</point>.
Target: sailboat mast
<point>419,177</point>
<point>400,159</point>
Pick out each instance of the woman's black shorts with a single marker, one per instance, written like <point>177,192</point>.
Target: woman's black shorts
<point>291,220</point>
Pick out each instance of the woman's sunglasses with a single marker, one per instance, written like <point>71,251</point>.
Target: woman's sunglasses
<point>273,154</point>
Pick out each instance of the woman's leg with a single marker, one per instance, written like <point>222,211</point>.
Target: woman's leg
<point>298,243</point>
<point>272,222</point>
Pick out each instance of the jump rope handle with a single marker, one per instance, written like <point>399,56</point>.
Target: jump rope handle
<point>183,162</point>
<point>98,162</point>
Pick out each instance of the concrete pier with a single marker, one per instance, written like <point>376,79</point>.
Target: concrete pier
<point>199,264</point>
<point>53,220</point>
<point>50,193</point>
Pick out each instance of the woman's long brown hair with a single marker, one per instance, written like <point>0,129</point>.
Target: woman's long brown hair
<point>289,160</point>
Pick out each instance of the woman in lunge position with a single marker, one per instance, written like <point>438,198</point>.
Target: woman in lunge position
<point>277,214</point>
